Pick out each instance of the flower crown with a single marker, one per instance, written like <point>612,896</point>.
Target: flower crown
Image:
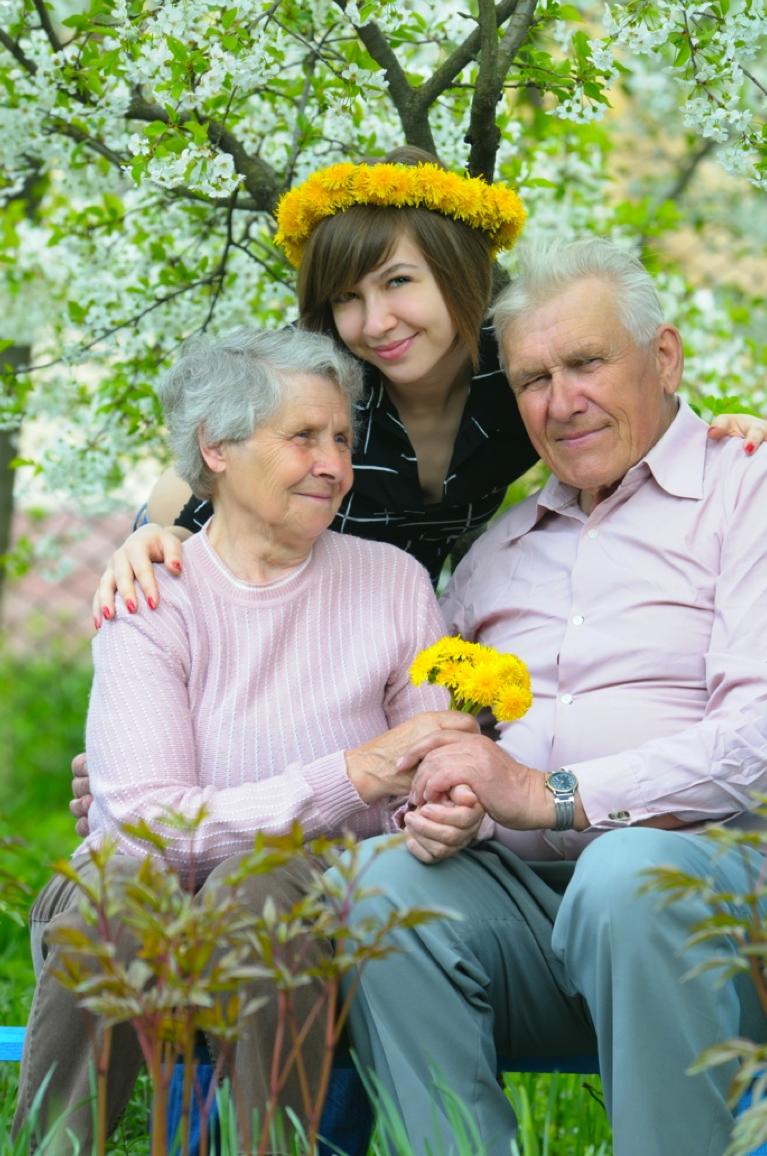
<point>494,209</point>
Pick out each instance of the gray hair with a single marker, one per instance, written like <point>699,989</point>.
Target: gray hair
<point>547,269</point>
<point>223,388</point>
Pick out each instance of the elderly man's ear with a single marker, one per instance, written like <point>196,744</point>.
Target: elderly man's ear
<point>669,357</point>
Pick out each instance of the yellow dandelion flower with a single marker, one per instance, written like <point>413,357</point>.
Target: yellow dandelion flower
<point>445,652</point>
<point>477,685</point>
<point>421,668</point>
<point>338,177</point>
<point>451,674</point>
<point>512,703</point>
<point>494,209</point>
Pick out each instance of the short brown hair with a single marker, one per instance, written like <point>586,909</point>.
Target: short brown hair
<point>344,248</point>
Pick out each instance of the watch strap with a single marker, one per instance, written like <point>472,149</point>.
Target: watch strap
<point>564,813</point>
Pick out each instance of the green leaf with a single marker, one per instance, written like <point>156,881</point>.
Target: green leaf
<point>683,52</point>
<point>178,49</point>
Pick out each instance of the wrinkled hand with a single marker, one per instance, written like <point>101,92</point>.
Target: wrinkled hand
<point>438,830</point>
<point>511,793</point>
<point>81,795</point>
<point>131,563</point>
<point>752,429</point>
<point>374,768</point>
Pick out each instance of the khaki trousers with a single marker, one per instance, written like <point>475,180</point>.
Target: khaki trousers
<point>60,1036</point>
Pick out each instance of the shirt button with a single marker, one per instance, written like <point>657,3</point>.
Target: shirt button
<point>619,816</point>
<point>592,534</point>
<point>567,699</point>
<point>578,620</point>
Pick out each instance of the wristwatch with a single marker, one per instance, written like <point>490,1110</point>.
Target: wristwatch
<point>563,784</point>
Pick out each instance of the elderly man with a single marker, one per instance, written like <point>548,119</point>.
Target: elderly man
<point>633,585</point>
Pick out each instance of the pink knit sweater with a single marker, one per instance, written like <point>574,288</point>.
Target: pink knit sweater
<point>242,699</point>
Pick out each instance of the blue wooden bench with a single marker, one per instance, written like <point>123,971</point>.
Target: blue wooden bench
<point>11,1041</point>
<point>347,1119</point>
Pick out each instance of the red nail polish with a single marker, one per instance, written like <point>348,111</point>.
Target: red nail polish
<point>749,447</point>
<point>131,606</point>
<point>176,566</point>
<point>96,623</point>
<point>151,603</point>
<point>106,612</point>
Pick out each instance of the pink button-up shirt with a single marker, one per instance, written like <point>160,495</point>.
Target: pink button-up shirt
<point>644,625</point>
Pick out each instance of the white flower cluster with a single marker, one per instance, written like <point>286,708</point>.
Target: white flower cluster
<point>203,169</point>
<point>579,108</point>
<point>712,57</point>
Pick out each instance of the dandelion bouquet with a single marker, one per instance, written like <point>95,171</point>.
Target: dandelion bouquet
<point>477,676</point>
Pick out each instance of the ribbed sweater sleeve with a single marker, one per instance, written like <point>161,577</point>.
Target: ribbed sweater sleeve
<point>242,700</point>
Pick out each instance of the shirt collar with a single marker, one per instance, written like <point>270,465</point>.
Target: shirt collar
<point>676,462</point>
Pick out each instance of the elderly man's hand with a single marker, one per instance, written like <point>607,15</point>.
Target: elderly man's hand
<point>440,829</point>
<point>374,767</point>
<point>81,795</point>
<point>513,794</point>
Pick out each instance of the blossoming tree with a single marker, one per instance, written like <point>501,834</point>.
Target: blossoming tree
<point>143,147</point>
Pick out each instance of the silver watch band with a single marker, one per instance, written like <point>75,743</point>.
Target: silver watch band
<point>564,813</point>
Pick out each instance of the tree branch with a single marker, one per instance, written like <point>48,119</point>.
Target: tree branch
<point>495,60</point>
<point>484,135</point>
<point>413,104</point>
<point>303,103</point>
<point>463,55</point>
<point>64,128</point>
<point>753,80</point>
<point>260,178</point>
<point>688,170</point>
<point>128,323</point>
<point>47,25</point>
<point>181,192</point>
<point>17,53</point>
<point>516,33</point>
<point>411,109</point>
<point>220,271</point>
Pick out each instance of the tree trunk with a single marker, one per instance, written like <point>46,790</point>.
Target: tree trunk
<point>14,357</point>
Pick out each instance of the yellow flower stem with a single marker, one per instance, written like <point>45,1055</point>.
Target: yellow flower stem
<point>464,707</point>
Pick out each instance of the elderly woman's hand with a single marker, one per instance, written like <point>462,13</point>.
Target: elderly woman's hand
<point>373,767</point>
<point>442,828</point>
<point>131,563</point>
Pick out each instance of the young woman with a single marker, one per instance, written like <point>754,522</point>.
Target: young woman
<point>395,260</point>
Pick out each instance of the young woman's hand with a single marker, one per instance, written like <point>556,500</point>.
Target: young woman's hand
<point>81,795</point>
<point>752,429</point>
<point>132,563</point>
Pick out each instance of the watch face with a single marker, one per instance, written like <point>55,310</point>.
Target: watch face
<point>562,781</point>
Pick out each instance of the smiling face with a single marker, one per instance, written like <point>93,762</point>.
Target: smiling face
<point>593,402</point>
<point>285,482</point>
<point>395,318</point>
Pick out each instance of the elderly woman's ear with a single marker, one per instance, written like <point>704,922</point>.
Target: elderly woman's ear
<point>213,456</point>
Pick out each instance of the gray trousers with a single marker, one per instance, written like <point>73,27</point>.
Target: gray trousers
<point>553,959</point>
<point>60,1037</point>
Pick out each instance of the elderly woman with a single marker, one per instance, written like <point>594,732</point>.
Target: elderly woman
<point>271,686</point>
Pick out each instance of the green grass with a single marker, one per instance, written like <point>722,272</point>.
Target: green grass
<point>42,711</point>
